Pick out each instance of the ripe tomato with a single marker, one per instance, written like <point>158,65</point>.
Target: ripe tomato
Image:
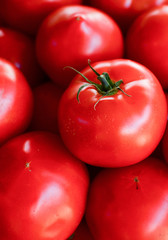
<point>146,42</point>
<point>46,100</point>
<point>43,188</point>
<point>130,202</point>
<point>125,11</point>
<point>16,101</point>
<point>13,46</point>
<point>113,130</point>
<point>71,35</point>
<point>27,15</point>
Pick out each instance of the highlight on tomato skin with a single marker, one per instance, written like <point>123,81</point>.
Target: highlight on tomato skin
<point>146,42</point>
<point>71,35</point>
<point>125,12</point>
<point>83,120</point>
<point>130,201</point>
<point>16,101</point>
<point>43,188</point>
<point>13,46</point>
<point>114,122</point>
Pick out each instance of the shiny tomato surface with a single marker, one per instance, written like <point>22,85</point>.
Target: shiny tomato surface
<point>43,188</point>
<point>19,49</point>
<point>73,34</point>
<point>16,101</point>
<point>146,42</point>
<point>27,15</point>
<point>126,11</point>
<point>113,130</point>
<point>130,202</point>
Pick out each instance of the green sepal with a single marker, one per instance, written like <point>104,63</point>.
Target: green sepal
<point>79,90</point>
<point>107,86</point>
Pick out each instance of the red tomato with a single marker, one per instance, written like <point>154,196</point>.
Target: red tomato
<point>125,11</point>
<point>82,232</point>
<point>46,100</point>
<point>43,188</point>
<point>16,101</point>
<point>113,130</point>
<point>147,42</point>
<point>27,15</point>
<point>130,202</point>
<point>71,35</point>
<point>13,46</point>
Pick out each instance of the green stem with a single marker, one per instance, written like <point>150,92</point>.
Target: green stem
<point>107,87</point>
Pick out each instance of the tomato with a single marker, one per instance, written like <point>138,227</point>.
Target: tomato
<point>125,11</point>
<point>146,42</point>
<point>16,101</point>
<point>130,202</point>
<point>43,188</point>
<point>26,15</point>
<point>115,130</point>
<point>71,35</point>
<point>82,232</point>
<point>46,100</point>
<point>13,46</point>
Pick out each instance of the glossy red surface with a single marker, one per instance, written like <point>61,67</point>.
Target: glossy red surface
<point>126,11</point>
<point>147,40</point>
<point>130,203</point>
<point>71,36</point>
<point>117,130</point>
<point>43,188</point>
<point>19,49</point>
<point>16,101</point>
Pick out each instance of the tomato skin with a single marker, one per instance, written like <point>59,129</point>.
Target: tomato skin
<point>121,208</point>
<point>16,101</point>
<point>13,46</point>
<point>125,12</point>
<point>146,42</point>
<point>120,130</point>
<point>71,36</point>
<point>46,101</point>
<point>43,188</point>
<point>26,16</point>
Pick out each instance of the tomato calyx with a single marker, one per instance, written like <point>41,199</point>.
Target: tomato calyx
<point>107,87</point>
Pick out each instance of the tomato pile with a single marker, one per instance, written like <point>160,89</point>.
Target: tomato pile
<point>83,120</point>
